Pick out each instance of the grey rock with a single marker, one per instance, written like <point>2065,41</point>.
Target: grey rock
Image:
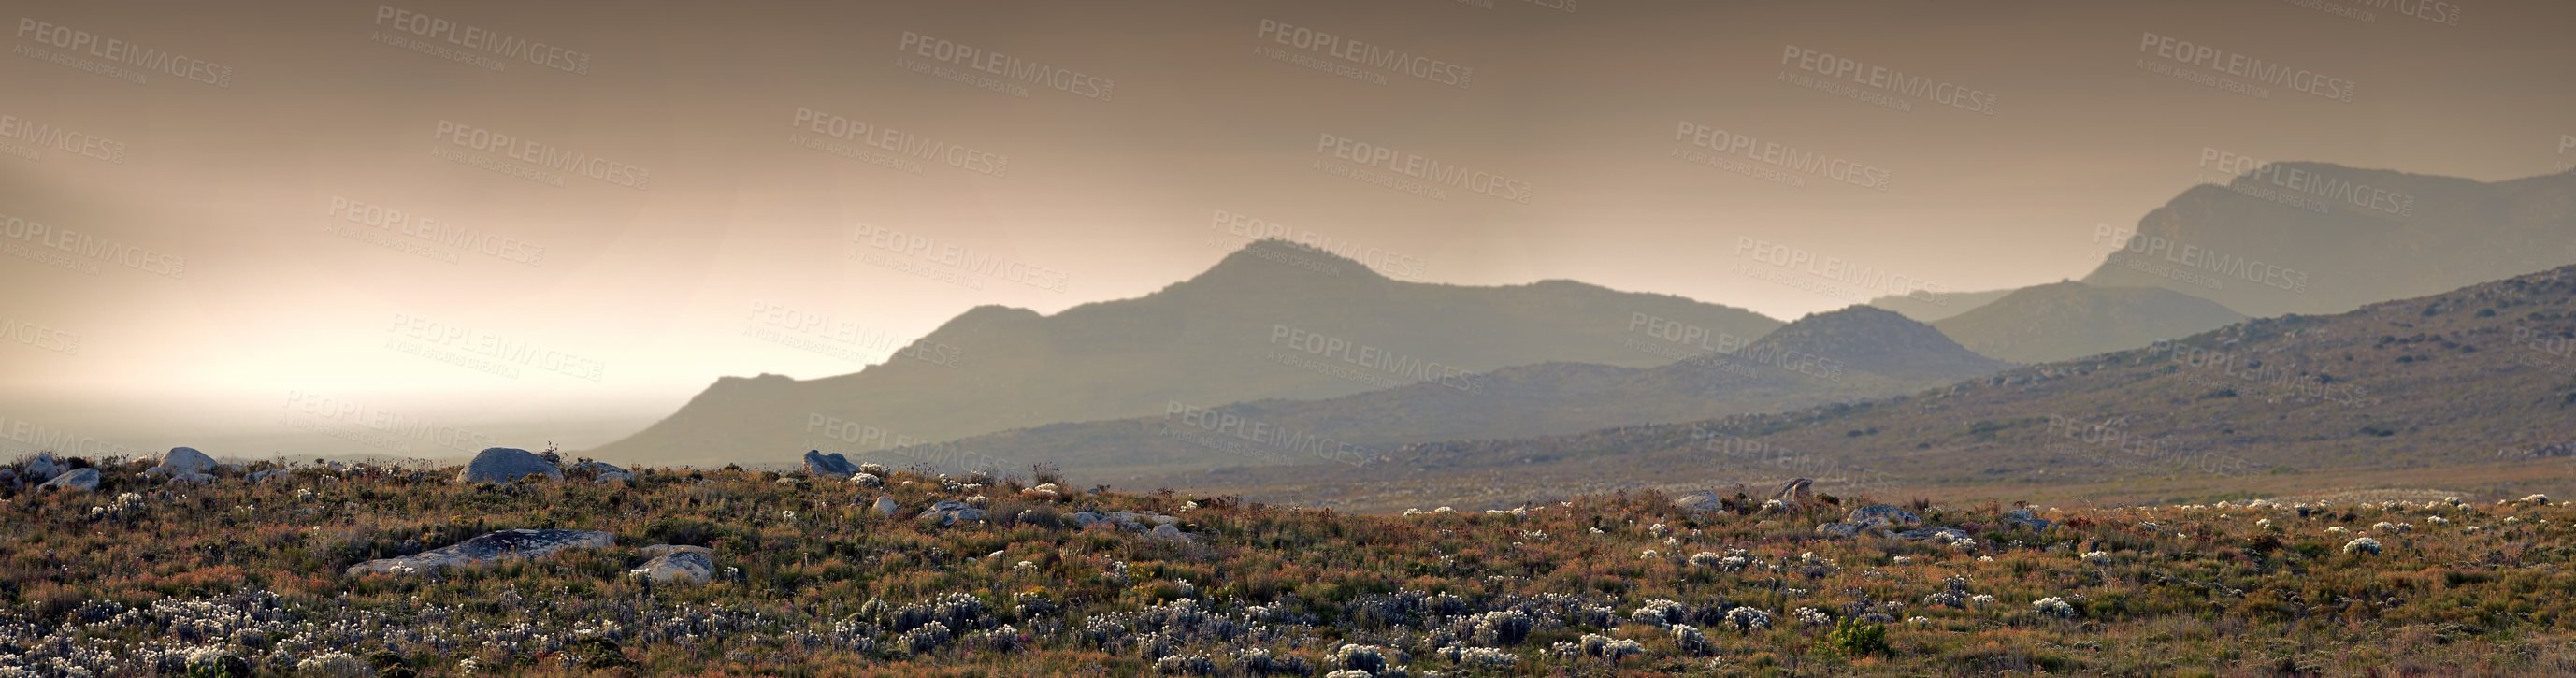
<point>44,467</point>
<point>506,464</point>
<point>1168,532</point>
<point>182,461</point>
<point>2024,517</point>
<point>952,512</point>
<point>84,479</point>
<point>604,472</point>
<point>886,506</point>
<point>8,476</point>
<point>691,567</point>
<point>834,465</point>
<point>1838,529</point>
<point>1881,516</point>
<point>1699,501</point>
<point>271,474</point>
<point>1087,518</point>
<point>489,548</point>
<point>1795,492</point>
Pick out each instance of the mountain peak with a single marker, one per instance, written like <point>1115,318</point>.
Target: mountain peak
<point>1869,339</point>
<point>1269,257</point>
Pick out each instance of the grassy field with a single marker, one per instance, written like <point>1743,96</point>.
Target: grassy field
<point>238,577</point>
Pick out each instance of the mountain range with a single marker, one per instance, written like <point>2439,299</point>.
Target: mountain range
<point>1273,320</point>
<point>1851,354</point>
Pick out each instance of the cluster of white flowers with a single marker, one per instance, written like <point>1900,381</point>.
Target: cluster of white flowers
<point>2053,606</point>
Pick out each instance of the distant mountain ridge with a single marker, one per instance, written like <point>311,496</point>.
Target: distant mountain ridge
<point>2317,238</point>
<point>1272,320</point>
<point>2473,389</point>
<point>1855,353</point>
<point>2065,320</point>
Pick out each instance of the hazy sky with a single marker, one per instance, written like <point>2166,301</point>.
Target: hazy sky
<point>606,205</point>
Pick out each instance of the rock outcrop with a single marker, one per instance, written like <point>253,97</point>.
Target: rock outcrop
<point>43,468</point>
<point>506,464</point>
<point>83,479</point>
<point>829,465</point>
<point>952,512</point>
<point>489,548</point>
<point>2024,518</point>
<point>1881,516</point>
<point>886,506</point>
<point>1699,501</point>
<point>604,472</point>
<point>1795,492</point>
<point>685,564</point>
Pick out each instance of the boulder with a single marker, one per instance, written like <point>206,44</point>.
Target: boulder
<point>834,465</point>
<point>183,461</point>
<point>1838,529</point>
<point>886,506</point>
<point>1795,492</point>
<point>1088,518</point>
<point>489,548</point>
<point>691,567</point>
<point>85,480</point>
<point>952,512</point>
<point>506,464</point>
<point>1881,516</point>
<point>2025,518</point>
<point>8,476</point>
<point>1168,532</point>
<point>1699,501</point>
<point>44,467</point>
<point>604,472</point>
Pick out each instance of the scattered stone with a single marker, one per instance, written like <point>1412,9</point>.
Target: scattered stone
<point>1881,516</point>
<point>1168,532</point>
<point>1699,501</point>
<point>271,474</point>
<point>506,464</point>
<point>85,480</point>
<point>8,476</point>
<point>185,461</point>
<point>44,467</point>
<point>2026,518</point>
<point>886,506</point>
<point>834,464</point>
<point>489,548</point>
<point>1795,492</point>
<point>692,565</point>
<point>1838,529</point>
<point>952,512</point>
<point>604,472</point>
<point>1088,518</point>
